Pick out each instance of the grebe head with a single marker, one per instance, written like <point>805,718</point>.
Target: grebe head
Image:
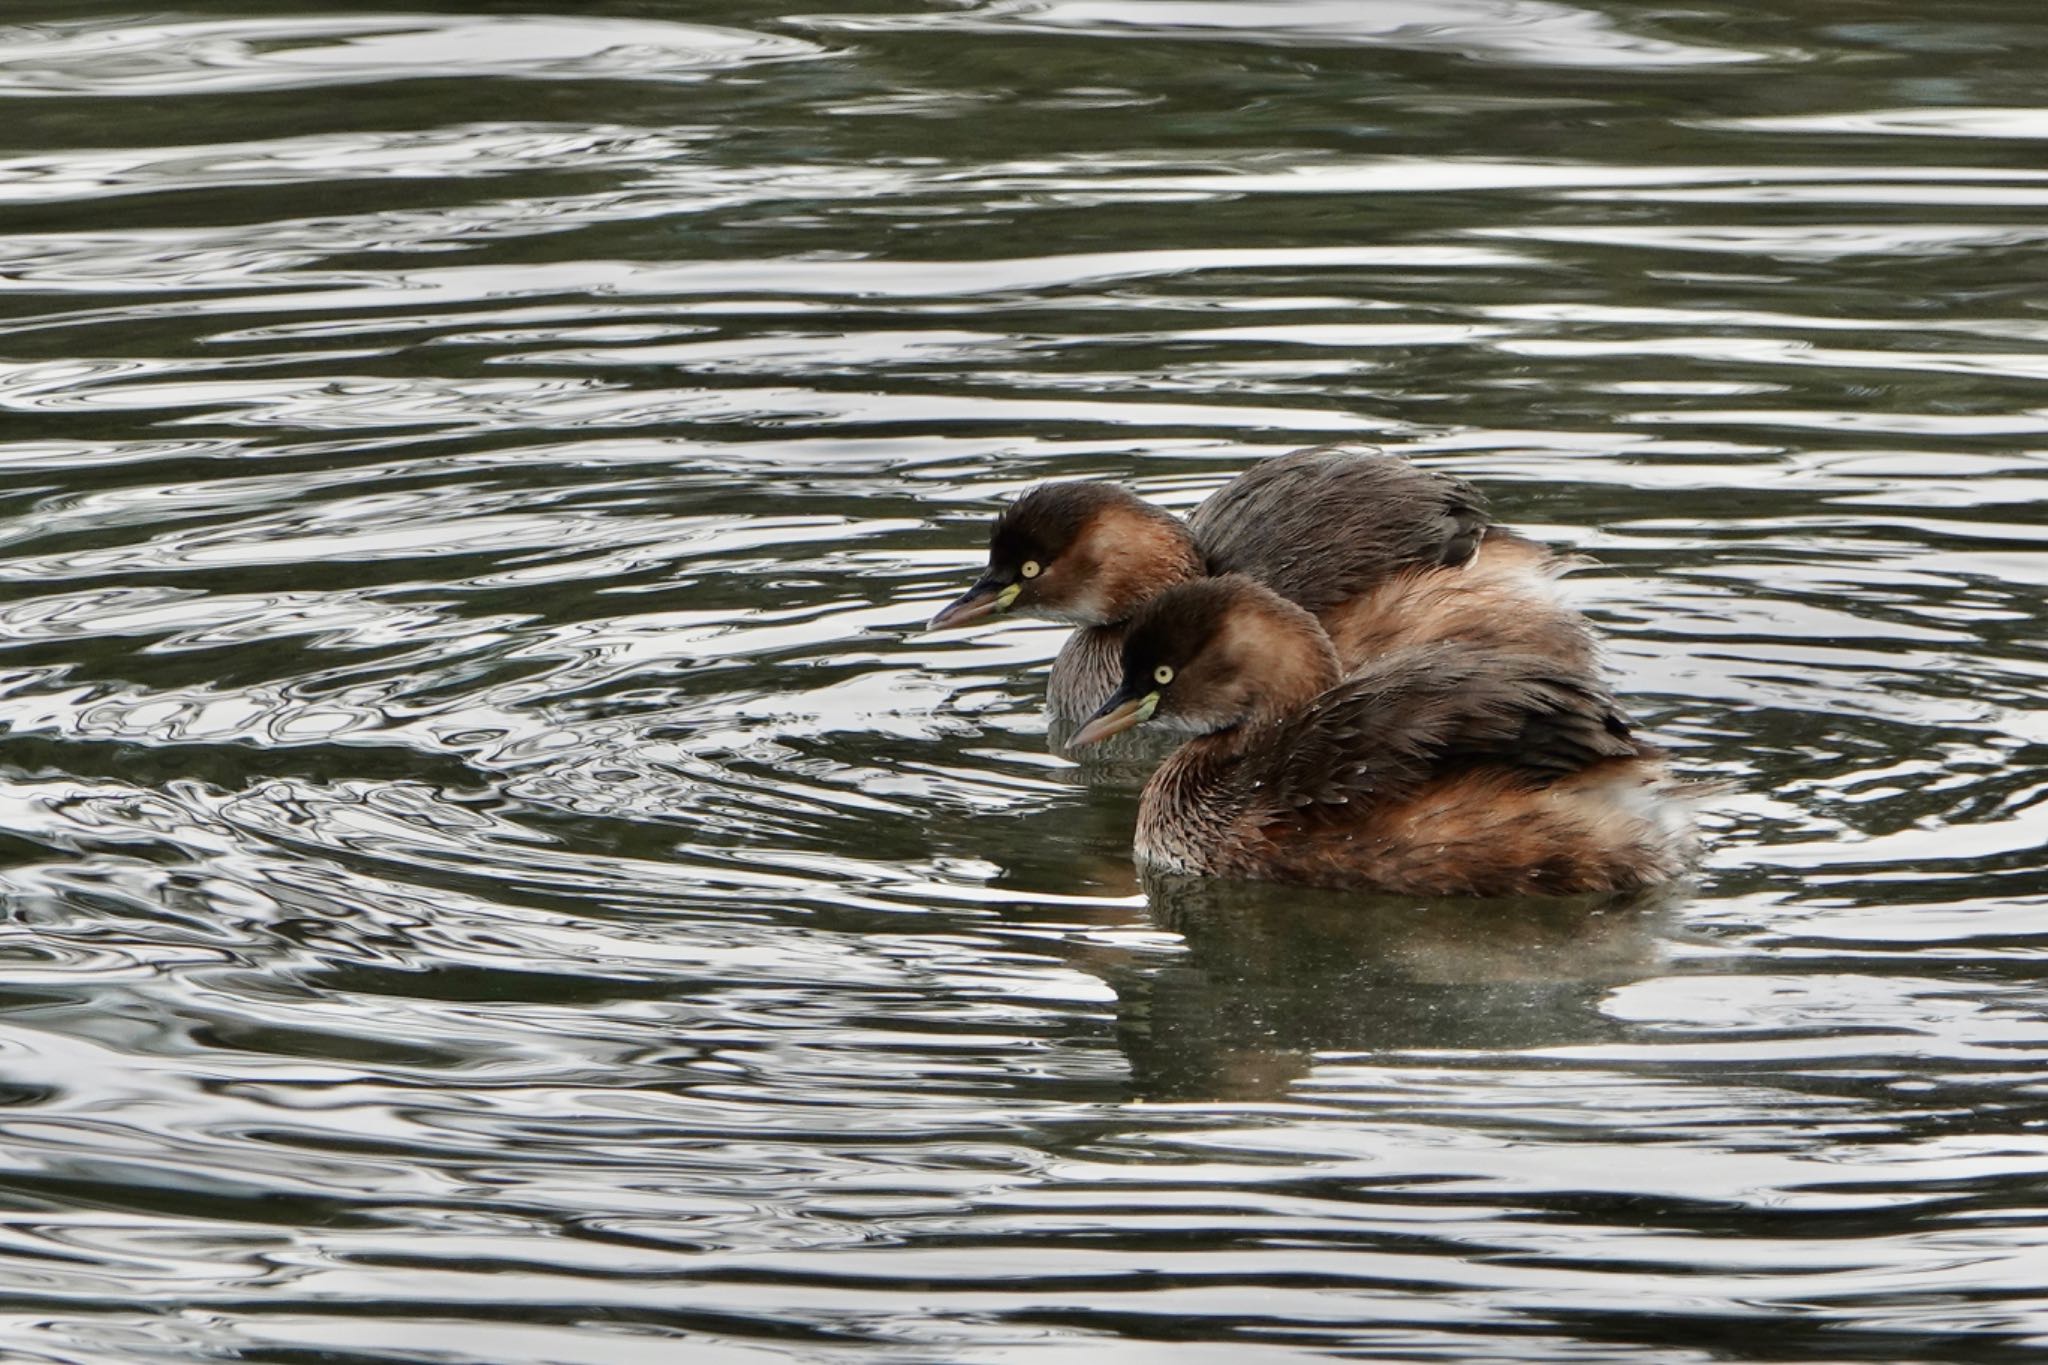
<point>1211,655</point>
<point>1087,554</point>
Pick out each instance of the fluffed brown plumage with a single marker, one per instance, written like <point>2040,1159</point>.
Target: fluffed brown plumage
<point>1298,523</point>
<point>1443,769</point>
<point>1384,552</point>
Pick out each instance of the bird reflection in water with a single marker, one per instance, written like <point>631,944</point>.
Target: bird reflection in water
<point>1275,975</point>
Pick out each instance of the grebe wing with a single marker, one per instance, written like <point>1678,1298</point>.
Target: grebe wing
<point>1322,525</point>
<point>1421,712</point>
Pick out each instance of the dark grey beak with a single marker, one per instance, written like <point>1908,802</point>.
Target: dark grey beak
<point>987,597</point>
<point>1122,711</point>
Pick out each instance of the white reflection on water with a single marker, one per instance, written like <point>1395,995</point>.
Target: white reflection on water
<point>1518,32</point>
<point>457,152</point>
<point>220,56</point>
<point>1954,121</point>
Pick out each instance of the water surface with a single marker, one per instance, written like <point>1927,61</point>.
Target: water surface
<point>493,875</point>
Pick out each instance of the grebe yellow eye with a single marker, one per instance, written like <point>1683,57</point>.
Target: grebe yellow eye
<point>1162,675</point>
<point>1031,569</point>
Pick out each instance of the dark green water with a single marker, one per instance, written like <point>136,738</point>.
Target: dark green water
<point>489,876</point>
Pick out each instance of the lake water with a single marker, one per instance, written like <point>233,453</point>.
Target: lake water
<point>492,873</point>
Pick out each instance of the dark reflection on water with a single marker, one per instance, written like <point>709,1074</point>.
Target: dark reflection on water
<point>1275,977</point>
<point>492,872</point>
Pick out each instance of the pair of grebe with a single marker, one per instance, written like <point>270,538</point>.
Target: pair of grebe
<point>1377,686</point>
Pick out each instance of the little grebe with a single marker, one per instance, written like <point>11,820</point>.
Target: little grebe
<point>1384,553</point>
<point>1444,768</point>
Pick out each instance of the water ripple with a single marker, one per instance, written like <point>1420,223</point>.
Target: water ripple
<point>204,58</point>
<point>493,871</point>
<point>441,153</point>
<point>1516,32</point>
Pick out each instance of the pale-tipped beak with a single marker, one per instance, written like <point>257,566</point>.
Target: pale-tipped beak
<point>1117,715</point>
<point>985,598</point>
